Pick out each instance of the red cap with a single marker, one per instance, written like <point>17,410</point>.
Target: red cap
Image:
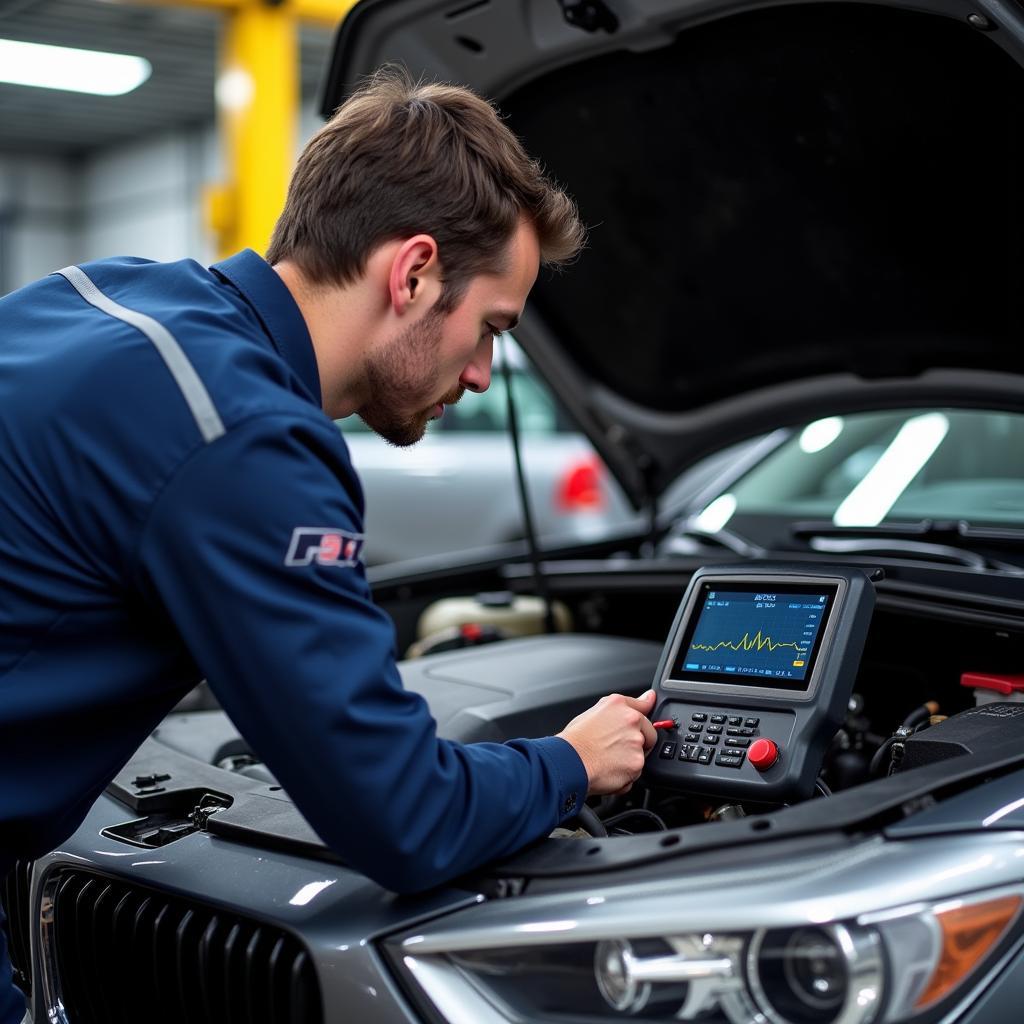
<point>763,754</point>
<point>992,681</point>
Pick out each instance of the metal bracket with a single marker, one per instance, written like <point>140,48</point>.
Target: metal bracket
<point>590,15</point>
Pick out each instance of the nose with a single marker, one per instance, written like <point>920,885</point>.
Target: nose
<point>476,375</point>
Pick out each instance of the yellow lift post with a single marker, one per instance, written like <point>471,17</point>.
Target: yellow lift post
<point>257,111</point>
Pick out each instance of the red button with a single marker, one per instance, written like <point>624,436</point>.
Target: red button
<point>763,754</point>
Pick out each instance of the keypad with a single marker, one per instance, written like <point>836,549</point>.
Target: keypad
<point>714,739</point>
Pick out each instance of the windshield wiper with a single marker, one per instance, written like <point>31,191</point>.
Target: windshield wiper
<point>937,539</point>
<point>675,543</point>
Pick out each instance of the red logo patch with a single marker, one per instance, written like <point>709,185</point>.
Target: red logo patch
<point>330,548</point>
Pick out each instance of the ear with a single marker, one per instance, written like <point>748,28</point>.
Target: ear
<point>415,280</point>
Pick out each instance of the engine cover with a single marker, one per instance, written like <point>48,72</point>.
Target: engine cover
<point>975,731</point>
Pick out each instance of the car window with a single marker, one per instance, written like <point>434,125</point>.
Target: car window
<point>537,410</point>
<point>455,491</point>
<point>896,465</point>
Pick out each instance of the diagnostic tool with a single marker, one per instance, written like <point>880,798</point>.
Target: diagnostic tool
<point>757,672</point>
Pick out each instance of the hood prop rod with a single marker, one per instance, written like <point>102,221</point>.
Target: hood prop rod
<point>647,469</point>
<point>540,582</point>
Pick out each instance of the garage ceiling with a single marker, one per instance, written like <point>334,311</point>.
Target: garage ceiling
<point>181,44</point>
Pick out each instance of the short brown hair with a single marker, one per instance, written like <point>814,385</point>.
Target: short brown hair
<point>400,158</point>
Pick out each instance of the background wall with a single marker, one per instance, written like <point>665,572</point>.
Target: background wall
<point>40,211</point>
<point>142,198</point>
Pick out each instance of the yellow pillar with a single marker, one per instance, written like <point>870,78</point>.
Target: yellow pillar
<point>257,101</point>
<point>257,111</point>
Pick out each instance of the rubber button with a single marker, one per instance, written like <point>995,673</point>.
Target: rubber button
<point>763,754</point>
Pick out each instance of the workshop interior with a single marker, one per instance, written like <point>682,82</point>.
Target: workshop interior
<point>760,448</point>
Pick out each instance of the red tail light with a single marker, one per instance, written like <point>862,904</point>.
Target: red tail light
<point>581,486</point>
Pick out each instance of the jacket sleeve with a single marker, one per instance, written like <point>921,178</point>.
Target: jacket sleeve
<point>251,548</point>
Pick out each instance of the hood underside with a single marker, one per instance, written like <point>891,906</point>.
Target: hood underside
<point>793,210</point>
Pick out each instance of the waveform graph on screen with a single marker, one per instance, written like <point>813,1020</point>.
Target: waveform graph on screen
<point>762,634</point>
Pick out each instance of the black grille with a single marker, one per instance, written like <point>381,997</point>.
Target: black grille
<point>14,900</point>
<point>125,952</point>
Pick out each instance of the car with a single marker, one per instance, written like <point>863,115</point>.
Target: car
<point>807,238</point>
<point>467,453</point>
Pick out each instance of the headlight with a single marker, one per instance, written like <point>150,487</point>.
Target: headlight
<point>882,967</point>
<point>818,975</point>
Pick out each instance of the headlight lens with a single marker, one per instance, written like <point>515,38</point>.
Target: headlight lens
<point>615,979</point>
<point>884,967</point>
<point>591,981</point>
<point>817,975</point>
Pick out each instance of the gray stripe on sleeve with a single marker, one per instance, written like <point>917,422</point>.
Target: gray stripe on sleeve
<point>184,373</point>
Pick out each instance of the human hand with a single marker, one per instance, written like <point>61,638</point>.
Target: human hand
<point>613,738</point>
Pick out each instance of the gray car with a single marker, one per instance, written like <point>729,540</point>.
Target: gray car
<point>455,491</point>
<point>807,230</point>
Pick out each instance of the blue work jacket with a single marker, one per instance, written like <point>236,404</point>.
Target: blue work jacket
<point>175,505</point>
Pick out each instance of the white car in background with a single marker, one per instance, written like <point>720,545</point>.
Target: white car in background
<point>456,490</point>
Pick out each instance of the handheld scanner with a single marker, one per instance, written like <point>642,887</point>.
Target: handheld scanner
<point>758,670</point>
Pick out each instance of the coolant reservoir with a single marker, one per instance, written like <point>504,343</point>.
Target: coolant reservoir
<point>990,686</point>
<point>514,614</point>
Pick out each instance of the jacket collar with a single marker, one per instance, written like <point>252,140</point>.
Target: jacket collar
<point>262,288</point>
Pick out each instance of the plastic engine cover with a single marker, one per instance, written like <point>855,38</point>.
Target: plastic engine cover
<point>974,731</point>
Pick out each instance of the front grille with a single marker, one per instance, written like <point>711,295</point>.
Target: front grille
<point>125,952</point>
<point>14,893</point>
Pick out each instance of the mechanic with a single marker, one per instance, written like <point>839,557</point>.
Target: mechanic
<point>177,504</point>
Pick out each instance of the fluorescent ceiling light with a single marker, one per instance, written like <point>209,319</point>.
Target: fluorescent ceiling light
<point>62,67</point>
<point>870,501</point>
<point>818,435</point>
<point>717,514</point>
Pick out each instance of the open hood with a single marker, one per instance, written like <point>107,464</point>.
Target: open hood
<point>795,210</point>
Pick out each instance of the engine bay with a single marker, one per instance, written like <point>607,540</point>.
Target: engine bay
<point>919,694</point>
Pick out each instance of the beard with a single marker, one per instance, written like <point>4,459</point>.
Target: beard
<point>403,378</point>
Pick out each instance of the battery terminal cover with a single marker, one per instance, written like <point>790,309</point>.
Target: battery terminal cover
<point>993,686</point>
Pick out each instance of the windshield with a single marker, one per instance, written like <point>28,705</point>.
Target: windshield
<point>901,465</point>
